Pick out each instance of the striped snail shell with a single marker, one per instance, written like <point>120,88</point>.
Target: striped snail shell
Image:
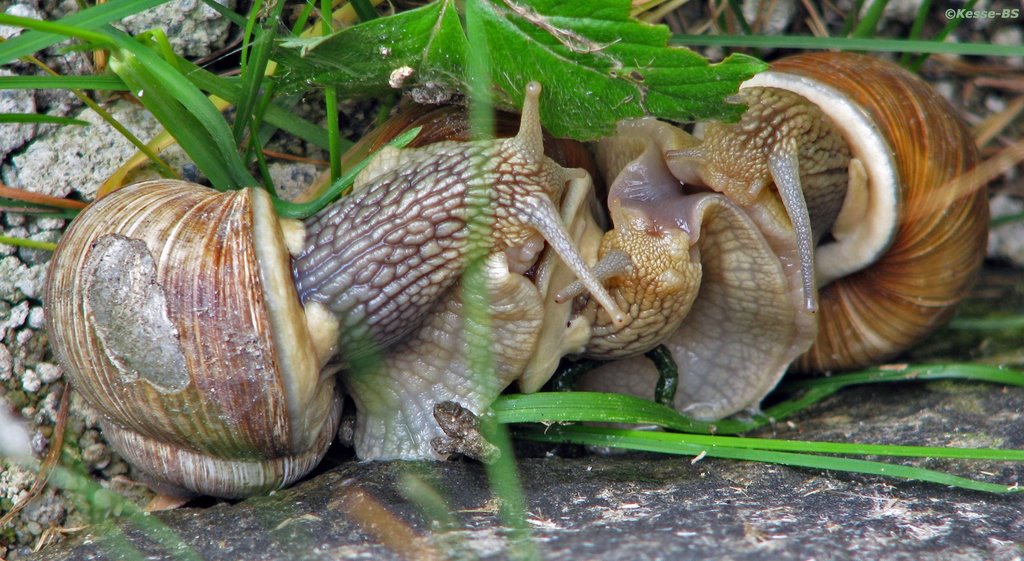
<point>171,308</point>
<point>853,171</point>
<point>898,265</point>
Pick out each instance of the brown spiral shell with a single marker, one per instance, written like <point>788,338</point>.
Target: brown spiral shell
<point>941,228</point>
<point>171,308</point>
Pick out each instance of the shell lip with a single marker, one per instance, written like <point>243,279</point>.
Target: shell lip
<point>303,382</point>
<point>857,248</point>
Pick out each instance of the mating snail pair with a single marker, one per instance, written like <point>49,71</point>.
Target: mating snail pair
<point>174,312</point>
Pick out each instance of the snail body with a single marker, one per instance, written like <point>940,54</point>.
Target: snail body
<point>387,252</point>
<point>848,166</point>
<point>510,309</point>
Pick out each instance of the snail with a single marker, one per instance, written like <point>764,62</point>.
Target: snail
<point>392,247</point>
<point>171,309</point>
<point>207,332</point>
<point>513,317</point>
<point>849,168</point>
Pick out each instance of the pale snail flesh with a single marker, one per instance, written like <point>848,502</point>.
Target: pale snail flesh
<point>889,263</point>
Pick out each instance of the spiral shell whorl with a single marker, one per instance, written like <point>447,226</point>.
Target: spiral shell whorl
<point>941,231</point>
<point>162,311</point>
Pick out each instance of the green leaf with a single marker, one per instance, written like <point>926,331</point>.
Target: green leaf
<point>360,60</point>
<point>596,64</point>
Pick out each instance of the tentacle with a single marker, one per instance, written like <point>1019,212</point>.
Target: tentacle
<point>612,264</point>
<point>785,170</point>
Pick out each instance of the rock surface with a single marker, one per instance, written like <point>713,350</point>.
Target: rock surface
<point>636,506</point>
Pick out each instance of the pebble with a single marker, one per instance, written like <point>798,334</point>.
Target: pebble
<point>15,319</point>
<point>36,318</point>
<point>14,135</point>
<point>193,29</point>
<point>30,381</point>
<point>6,363</point>
<point>14,439</point>
<point>1006,242</point>
<point>48,372</point>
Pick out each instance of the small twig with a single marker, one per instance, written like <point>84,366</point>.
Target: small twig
<point>815,23</point>
<point>392,532</point>
<point>50,534</point>
<point>293,158</point>
<point>46,467</point>
<point>991,126</point>
<point>38,198</point>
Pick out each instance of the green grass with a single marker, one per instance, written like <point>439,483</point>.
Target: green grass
<point>178,92</point>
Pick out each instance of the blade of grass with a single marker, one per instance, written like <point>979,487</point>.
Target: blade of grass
<point>331,99</point>
<point>869,23</point>
<point>502,474</point>
<point>1006,219</point>
<point>678,444</point>
<point>108,83</point>
<point>41,119</point>
<point>616,408</point>
<point>254,65</point>
<point>183,110</point>
<point>851,20</point>
<point>364,10</point>
<point>230,91</point>
<point>597,407</point>
<point>53,28</point>
<point>950,26</point>
<point>1005,323</point>
<point>947,371</point>
<point>737,12</point>
<point>88,19</point>
<point>26,243</point>
<point>186,128</point>
<point>915,29</point>
<point>845,43</point>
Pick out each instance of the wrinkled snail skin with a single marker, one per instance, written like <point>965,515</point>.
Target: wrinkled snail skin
<point>174,310</point>
<point>395,398</point>
<point>525,331</point>
<point>649,258</point>
<point>171,308</point>
<point>847,155</point>
<point>381,257</point>
<point>736,322</point>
